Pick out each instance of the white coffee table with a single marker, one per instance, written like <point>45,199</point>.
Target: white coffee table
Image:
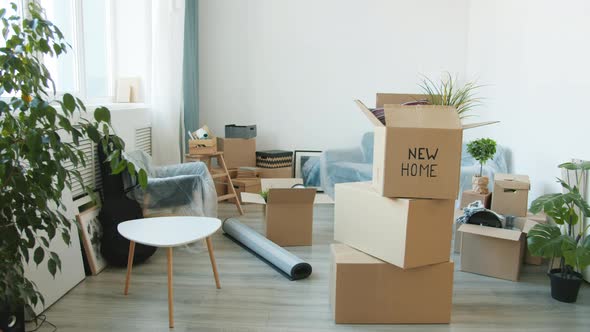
<point>169,232</point>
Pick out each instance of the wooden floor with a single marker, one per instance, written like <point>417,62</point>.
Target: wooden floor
<point>256,298</point>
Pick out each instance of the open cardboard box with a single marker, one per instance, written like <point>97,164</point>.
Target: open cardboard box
<point>289,211</point>
<point>417,152</point>
<point>494,252</point>
<point>365,290</point>
<point>203,146</point>
<point>511,194</point>
<point>407,233</point>
<point>248,185</point>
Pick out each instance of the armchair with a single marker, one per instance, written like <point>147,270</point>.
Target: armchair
<point>183,189</point>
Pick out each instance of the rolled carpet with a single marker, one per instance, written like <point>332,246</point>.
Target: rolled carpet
<point>280,259</point>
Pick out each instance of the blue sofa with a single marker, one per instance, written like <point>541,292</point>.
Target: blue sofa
<point>356,165</point>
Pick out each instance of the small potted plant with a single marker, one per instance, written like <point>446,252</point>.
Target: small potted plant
<point>481,150</point>
<point>563,239</point>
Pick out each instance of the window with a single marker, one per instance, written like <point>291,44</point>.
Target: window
<point>86,69</point>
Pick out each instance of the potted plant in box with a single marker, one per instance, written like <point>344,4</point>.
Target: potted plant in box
<point>41,134</point>
<point>564,240</point>
<point>481,150</point>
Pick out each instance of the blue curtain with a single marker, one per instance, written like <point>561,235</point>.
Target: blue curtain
<point>190,70</point>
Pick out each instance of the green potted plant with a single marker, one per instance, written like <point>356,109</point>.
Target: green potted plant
<point>448,93</point>
<point>481,150</point>
<point>41,134</point>
<point>563,239</point>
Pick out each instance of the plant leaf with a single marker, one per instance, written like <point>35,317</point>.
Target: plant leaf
<point>69,102</point>
<point>545,240</point>
<point>38,255</point>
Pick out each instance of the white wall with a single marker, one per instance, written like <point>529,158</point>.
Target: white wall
<point>294,67</point>
<point>533,55</point>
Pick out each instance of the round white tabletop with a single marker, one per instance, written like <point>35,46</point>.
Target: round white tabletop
<point>168,231</point>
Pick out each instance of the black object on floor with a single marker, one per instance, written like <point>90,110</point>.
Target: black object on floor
<point>565,289</point>
<point>117,208</point>
<point>12,320</point>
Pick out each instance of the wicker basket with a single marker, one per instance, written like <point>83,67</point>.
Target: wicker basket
<point>274,159</point>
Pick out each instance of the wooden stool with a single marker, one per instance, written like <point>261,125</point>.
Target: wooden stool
<point>206,158</point>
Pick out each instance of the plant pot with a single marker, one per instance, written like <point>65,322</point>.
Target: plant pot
<point>565,289</point>
<point>479,184</point>
<point>12,320</point>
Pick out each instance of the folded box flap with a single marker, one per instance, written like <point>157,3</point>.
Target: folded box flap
<point>369,114</point>
<point>269,183</point>
<point>499,233</point>
<point>252,198</point>
<point>422,116</point>
<point>291,196</point>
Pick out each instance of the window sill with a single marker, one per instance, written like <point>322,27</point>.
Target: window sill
<point>118,106</point>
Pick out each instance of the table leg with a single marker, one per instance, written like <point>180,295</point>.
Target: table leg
<point>170,290</point>
<point>210,248</point>
<point>129,266</point>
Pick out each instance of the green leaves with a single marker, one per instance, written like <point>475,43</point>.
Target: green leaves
<point>482,150</point>
<point>69,102</point>
<point>102,114</point>
<point>142,178</point>
<point>545,240</point>
<point>37,159</point>
<point>446,92</point>
<point>38,255</point>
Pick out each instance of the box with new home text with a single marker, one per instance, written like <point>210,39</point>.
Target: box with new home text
<point>417,149</point>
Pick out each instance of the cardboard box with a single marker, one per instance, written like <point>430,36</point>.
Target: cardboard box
<point>493,252</point>
<point>365,290</point>
<point>289,211</point>
<point>266,173</point>
<point>246,185</point>
<point>220,184</point>
<point>417,152</point>
<point>404,232</point>
<point>519,222</point>
<point>276,173</point>
<point>238,151</point>
<point>470,196</point>
<point>511,194</point>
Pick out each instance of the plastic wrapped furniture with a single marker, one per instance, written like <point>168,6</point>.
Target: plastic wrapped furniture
<point>347,165</point>
<point>356,165</point>
<point>184,189</point>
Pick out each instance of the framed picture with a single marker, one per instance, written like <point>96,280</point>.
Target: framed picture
<point>91,234</point>
<point>307,167</point>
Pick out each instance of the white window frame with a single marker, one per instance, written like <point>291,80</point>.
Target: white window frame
<point>79,53</point>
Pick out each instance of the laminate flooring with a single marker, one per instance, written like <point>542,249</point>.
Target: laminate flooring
<point>255,297</point>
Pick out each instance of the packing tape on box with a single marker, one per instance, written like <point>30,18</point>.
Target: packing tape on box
<point>289,265</point>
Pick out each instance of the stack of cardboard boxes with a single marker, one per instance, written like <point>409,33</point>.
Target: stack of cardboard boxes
<point>392,264</point>
<point>496,252</point>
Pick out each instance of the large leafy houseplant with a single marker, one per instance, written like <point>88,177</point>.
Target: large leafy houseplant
<point>448,92</point>
<point>564,240</point>
<point>40,137</point>
<point>481,150</point>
